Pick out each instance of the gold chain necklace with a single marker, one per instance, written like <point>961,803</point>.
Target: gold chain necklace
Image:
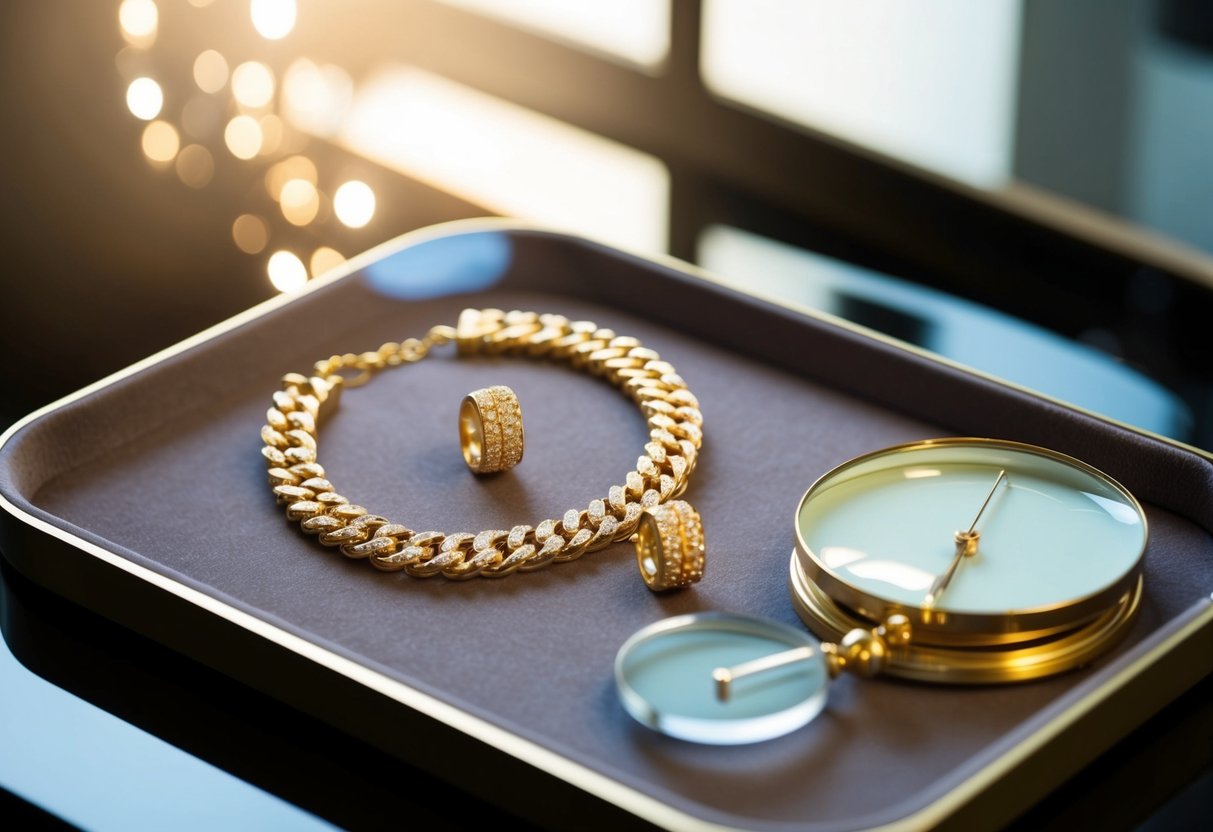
<point>661,473</point>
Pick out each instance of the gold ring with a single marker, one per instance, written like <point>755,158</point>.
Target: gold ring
<point>669,546</point>
<point>490,429</point>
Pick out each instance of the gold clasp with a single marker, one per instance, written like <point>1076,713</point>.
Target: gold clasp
<point>367,363</point>
<point>391,354</point>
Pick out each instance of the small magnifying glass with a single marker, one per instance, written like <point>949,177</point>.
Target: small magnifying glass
<point>669,678</point>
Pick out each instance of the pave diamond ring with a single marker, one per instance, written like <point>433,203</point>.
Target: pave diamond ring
<point>490,430</point>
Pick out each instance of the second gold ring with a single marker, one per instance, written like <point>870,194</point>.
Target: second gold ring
<point>490,429</point>
<point>669,546</point>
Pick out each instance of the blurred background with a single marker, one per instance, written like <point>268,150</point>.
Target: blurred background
<point>1022,186</point>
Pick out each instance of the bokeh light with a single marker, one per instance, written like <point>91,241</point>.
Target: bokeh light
<point>354,203</point>
<point>253,84</point>
<point>195,166</point>
<point>144,98</point>
<point>139,20</point>
<point>210,71</point>
<point>300,201</point>
<point>160,141</point>
<point>250,233</point>
<point>296,167</point>
<point>273,19</point>
<point>272,133</point>
<point>286,271</point>
<point>324,259</point>
<point>316,98</point>
<point>243,137</point>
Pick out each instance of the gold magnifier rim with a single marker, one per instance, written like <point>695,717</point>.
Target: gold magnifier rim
<point>949,627</point>
<point>970,664</point>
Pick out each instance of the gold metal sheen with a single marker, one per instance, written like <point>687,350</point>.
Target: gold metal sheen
<point>669,546</point>
<point>490,430</point>
<point>675,436</point>
<point>949,628</point>
<point>868,634</point>
<point>962,663</point>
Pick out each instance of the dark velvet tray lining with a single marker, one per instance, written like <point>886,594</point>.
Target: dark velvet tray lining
<point>162,468</point>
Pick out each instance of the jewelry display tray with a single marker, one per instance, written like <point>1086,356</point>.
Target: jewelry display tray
<point>144,498</point>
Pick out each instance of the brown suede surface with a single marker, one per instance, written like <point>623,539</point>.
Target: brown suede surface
<point>164,468</point>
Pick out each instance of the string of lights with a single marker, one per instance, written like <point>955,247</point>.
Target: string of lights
<point>225,115</point>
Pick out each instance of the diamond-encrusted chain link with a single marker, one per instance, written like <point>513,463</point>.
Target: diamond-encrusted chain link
<point>661,472</point>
